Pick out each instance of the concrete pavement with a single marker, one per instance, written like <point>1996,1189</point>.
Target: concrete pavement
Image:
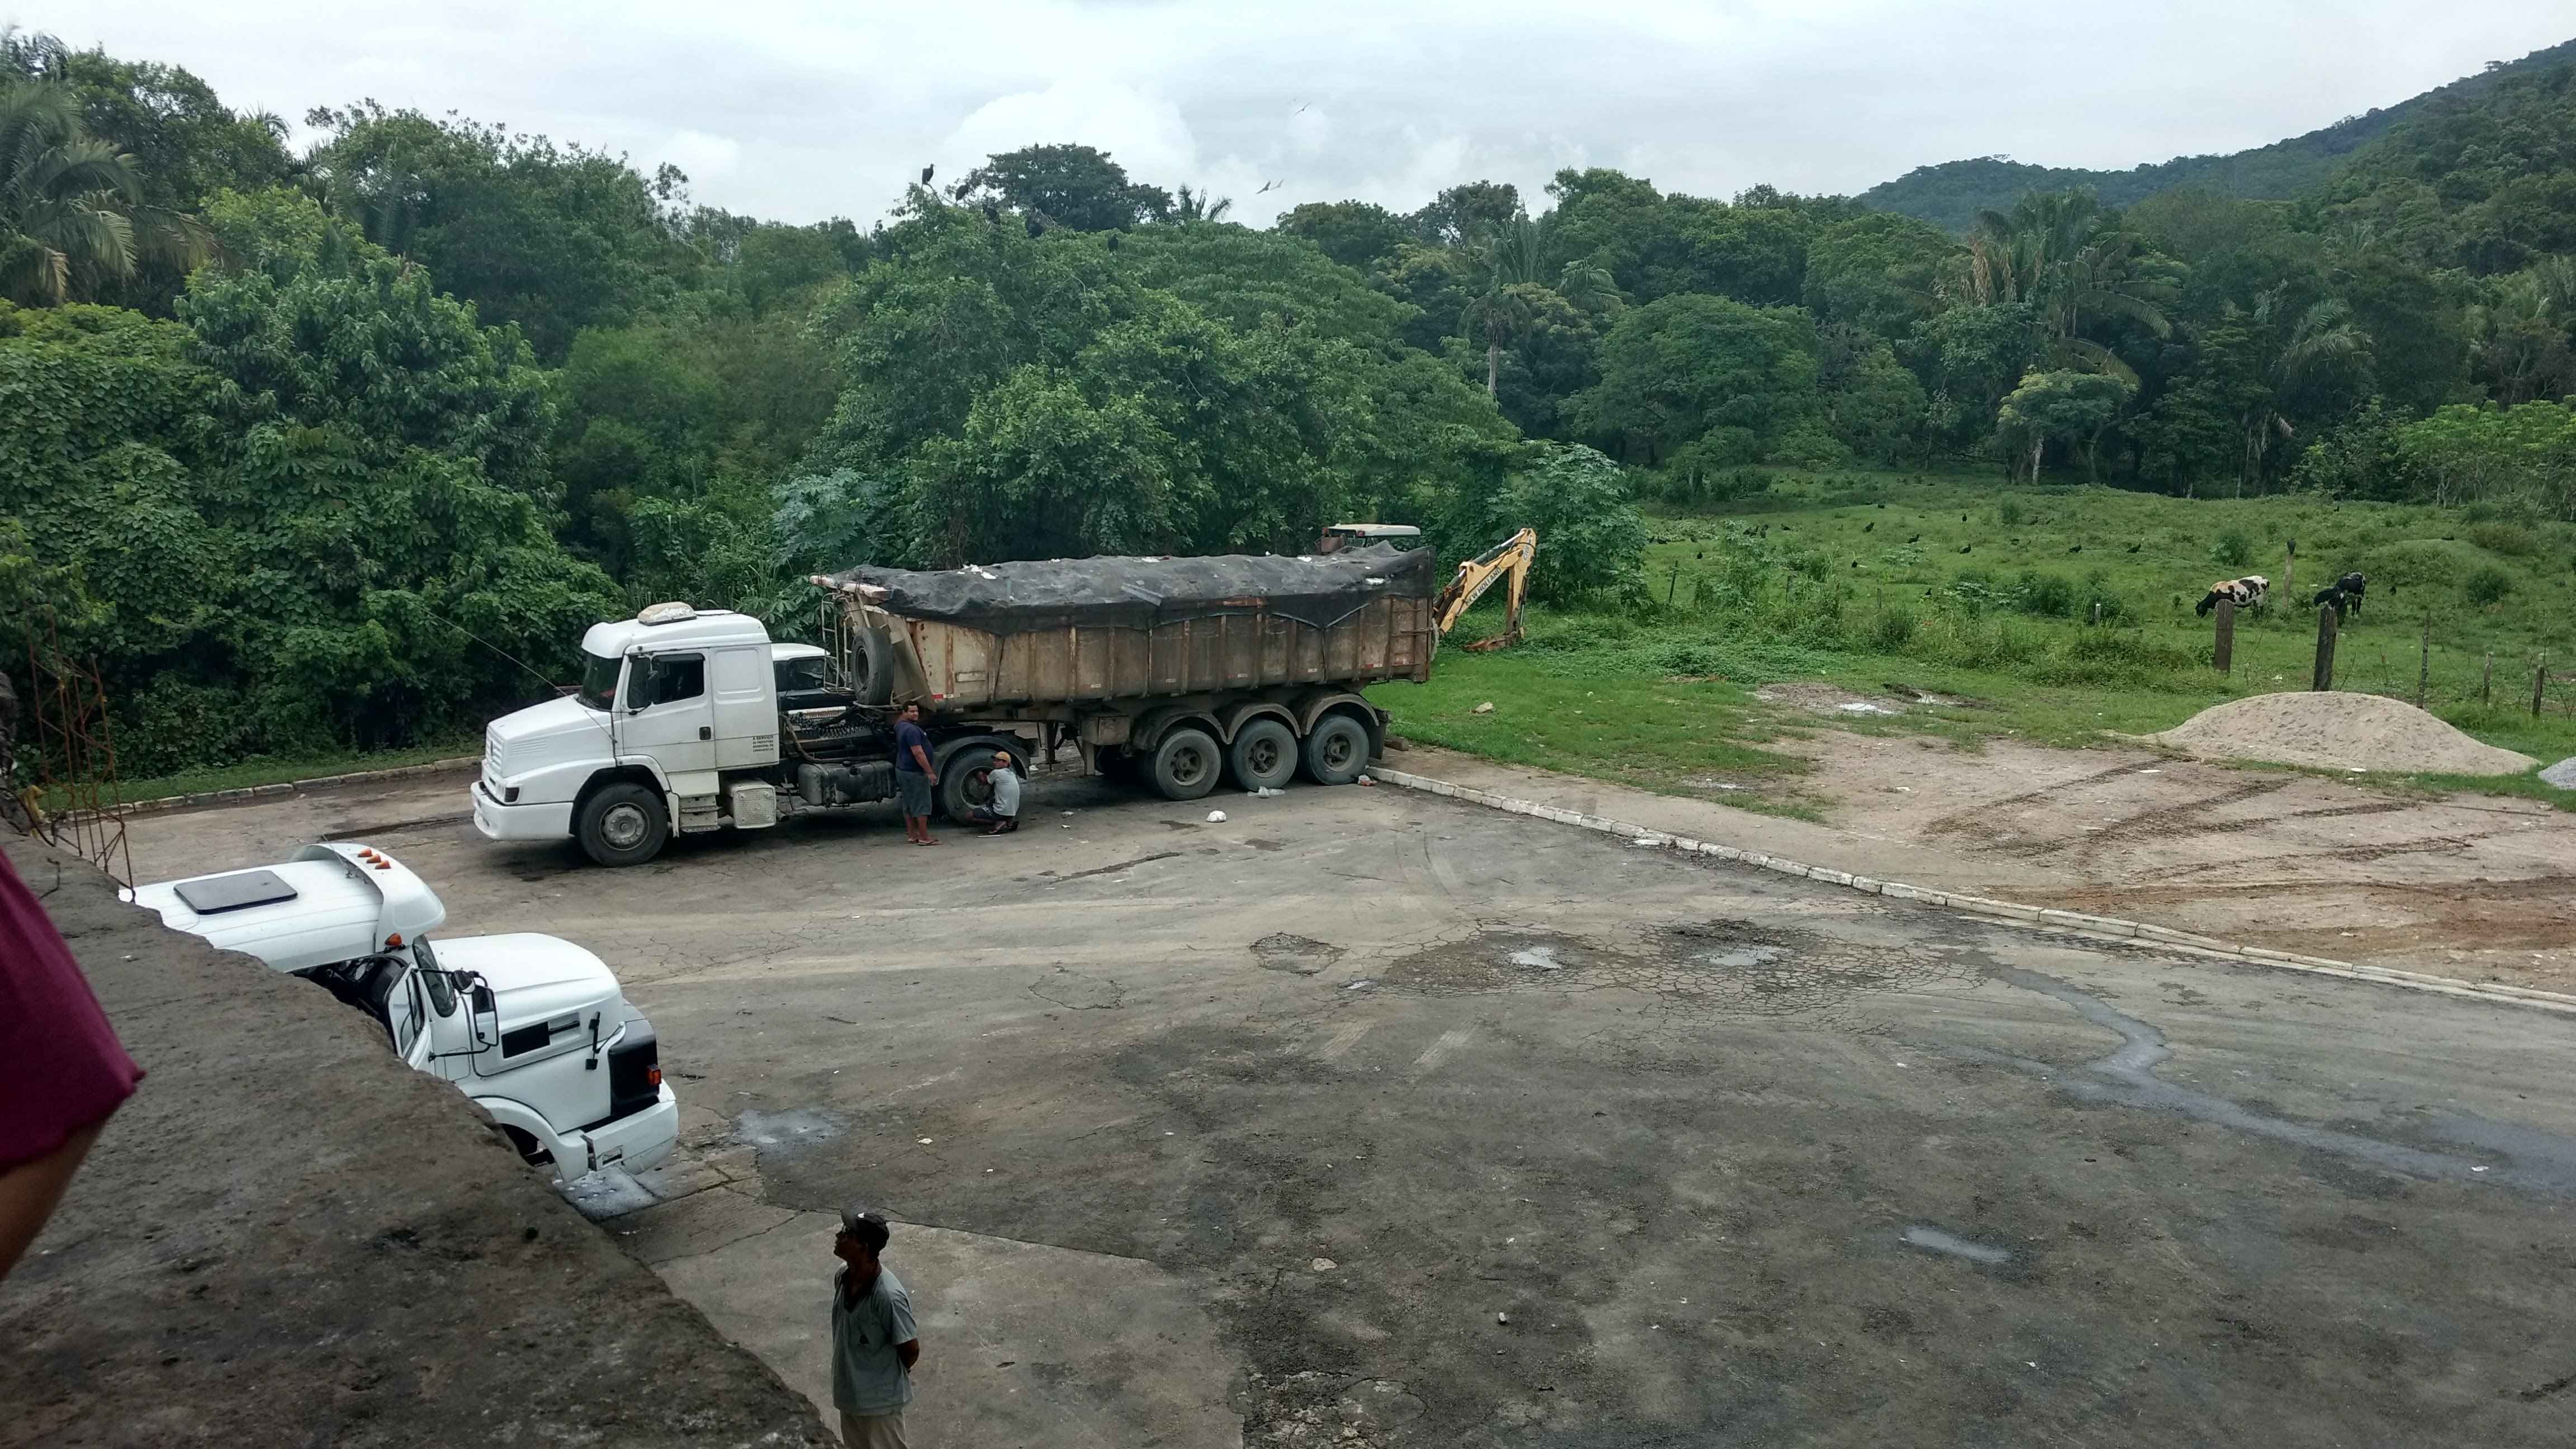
<point>1368,1118</point>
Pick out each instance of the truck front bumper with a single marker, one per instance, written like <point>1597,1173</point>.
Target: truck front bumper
<point>637,1142</point>
<point>497,821</point>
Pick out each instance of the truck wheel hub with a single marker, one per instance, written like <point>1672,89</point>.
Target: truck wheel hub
<point>623,826</point>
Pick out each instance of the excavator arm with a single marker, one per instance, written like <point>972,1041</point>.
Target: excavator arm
<point>1508,560</point>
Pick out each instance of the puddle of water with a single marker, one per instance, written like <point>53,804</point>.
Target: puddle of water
<point>797,1127</point>
<point>1542,958</point>
<point>1938,1241</point>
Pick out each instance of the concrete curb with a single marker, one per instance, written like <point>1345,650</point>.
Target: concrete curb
<point>286,787</point>
<point>2111,928</point>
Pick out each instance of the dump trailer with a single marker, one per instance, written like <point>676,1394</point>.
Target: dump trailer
<point>1171,673</point>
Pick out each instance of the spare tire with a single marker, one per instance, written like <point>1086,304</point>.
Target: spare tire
<point>871,665</point>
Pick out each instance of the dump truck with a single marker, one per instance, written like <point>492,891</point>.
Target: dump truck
<point>1172,673</point>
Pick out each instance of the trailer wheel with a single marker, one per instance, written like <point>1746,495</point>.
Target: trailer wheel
<point>966,782</point>
<point>623,824</point>
<point>1337,751</point>
<point>1186,764</point>
<point>1263,755</point>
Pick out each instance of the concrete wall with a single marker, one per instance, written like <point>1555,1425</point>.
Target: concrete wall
<point>287,1238</point>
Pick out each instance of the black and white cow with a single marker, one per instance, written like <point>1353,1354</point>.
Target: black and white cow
<point>2345,594</point>
<point>2247,592</point>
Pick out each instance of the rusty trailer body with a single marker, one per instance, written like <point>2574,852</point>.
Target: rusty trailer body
<point>1126,655</point>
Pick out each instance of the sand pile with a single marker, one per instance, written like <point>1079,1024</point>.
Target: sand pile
<point>2337,731</point>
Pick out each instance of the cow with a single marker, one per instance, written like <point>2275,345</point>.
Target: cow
<point>2246,592</point>
<point>2345,594</point>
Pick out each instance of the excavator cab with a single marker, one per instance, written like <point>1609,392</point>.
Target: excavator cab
<point>1358,535</point>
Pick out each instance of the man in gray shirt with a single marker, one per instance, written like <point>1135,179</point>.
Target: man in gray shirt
<point>1002,816</point>
<point>873,1345</point>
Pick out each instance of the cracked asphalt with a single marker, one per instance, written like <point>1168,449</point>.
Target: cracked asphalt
<point>1368,1118</point>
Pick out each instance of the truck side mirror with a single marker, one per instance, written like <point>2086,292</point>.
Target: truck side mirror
<point>486,1015</point>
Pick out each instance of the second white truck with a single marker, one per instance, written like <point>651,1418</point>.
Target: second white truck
<point>534,1029</point>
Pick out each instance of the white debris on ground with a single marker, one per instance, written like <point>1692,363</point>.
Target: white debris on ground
<point>1216,817</point>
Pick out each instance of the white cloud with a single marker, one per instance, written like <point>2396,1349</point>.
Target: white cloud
<point>829,108</point>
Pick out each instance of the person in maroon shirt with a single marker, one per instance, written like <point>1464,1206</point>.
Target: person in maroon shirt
<point>62,1070</point>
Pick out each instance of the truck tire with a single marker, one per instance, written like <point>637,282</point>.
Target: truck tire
<point>966,782</point>
<point>1337,751</point>
<point>1186,764</point>
<point>1263,755</point>
<point>623,824</point>
<point>873,662</point>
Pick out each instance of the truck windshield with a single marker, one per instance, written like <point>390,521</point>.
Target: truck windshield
<point>599,682</point>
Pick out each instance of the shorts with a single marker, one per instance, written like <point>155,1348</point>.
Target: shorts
<point>874,1431</point>
<point>916,791</point>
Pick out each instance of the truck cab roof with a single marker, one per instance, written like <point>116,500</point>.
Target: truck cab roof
<point>674,627</point>
<point>332,902</point>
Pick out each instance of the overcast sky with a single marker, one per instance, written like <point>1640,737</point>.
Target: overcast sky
<point>803,110</point>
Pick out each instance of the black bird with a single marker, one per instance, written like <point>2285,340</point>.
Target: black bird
<point>2079,548</point>
<point>1882,505</point>
<point>1963,518</point>
<point>1866,527</point>
<point>1963,548</point>
<point>1918,538</point>
<point>1034,228</point>
<point>993,213</point>
<point>1855,563</point>
<point>1113,241</point>
<point>2133,548</point>
<point>925,174</point>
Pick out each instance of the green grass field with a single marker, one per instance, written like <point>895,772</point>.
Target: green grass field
<point>1960,586</point>
<point>266,770</point>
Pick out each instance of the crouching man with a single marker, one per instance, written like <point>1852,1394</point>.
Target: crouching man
<point>1002,816</point>
<point>873,1344</point>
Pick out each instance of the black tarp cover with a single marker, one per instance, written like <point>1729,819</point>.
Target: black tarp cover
<point>1009,598</point>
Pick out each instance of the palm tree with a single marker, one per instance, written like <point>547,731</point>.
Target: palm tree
<point>1518,289</point>
<point>71,207</point>
<point>1188,205</point>
<point>2323,337</point>
<point>2076,266</point>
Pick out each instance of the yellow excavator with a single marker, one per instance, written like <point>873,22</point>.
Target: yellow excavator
<point>1508,560</point>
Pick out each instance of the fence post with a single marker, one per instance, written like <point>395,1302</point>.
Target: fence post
<point>2539,685</point>
<point>2097,613</point>
<point>2290,572</point>
<point>1673,586</point>
<point>2486,683</point>
<point>2222,655</point>
<point>2424,664</point>
<point>2323,676</point>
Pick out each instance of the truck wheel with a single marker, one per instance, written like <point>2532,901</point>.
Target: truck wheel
<point>623,824</point>
<point>1185,764</point>
<point>1263,755</point>
<point>874,663</point>
<point>966,782</point>
<point>1337,751</point>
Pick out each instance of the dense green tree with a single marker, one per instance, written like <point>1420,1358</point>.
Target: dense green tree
<point>551,238</point>
<point>1357,234</point>
<point>1464,214</point>
<point>1694,367</point>
<point>1591,543</point>
<point>2063,407</point>
<point>1068,186</point>
<point>1527,281</point>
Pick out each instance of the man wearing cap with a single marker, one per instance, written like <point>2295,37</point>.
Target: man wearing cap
<point>1002,816</point>
<point>873,1345</point>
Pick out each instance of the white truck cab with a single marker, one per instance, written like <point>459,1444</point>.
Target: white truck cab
<point>534,1029</point>
<point>670,703</point>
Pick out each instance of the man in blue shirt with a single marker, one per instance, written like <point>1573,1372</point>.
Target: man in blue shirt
<point>913,775</point>
<point>873,1343</point>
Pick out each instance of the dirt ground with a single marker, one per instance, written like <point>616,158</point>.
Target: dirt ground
<point>1371,1119</point>
<point>2477,887</point>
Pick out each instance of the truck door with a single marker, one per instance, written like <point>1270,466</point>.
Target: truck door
<point>666,713</point>
<point>407,1017</point>
<point>746,707</point>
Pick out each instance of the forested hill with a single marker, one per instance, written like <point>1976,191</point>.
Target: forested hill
<point>1951,194</point>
